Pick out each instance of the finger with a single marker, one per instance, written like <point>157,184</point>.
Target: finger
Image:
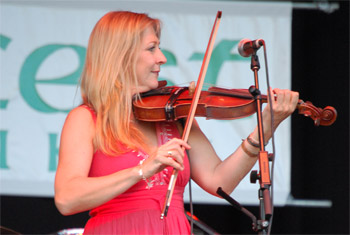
<point>291,100</point>
<point>172,158</point>
<point>179,142</point>
<point>287,102</point>
<point>171,153</point>
<point>295,99</point>
<point>174,151</point>
<point>172,162</point>
<point>176,156</point>
<point>287,96</point>
<point>280,96</point>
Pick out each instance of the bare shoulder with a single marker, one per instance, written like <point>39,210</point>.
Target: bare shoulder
<point>80,118</point>
<point>81,114</point>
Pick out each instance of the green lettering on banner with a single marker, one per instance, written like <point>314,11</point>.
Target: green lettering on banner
<point>4,42</point>
<point>53,152</point>
<point>28,80</point>
<point>3,152</point>
<point>3,104</point>
<point>171,61</point>
<point>221,53</point>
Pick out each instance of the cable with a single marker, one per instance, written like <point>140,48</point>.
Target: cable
<point>272,137</point>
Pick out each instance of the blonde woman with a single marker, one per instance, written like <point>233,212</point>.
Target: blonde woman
<point>118,167</point>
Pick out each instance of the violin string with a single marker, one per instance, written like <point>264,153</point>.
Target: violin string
<point>206,85</point>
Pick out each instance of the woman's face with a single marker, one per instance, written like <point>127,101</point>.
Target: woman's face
<point>149,60</point>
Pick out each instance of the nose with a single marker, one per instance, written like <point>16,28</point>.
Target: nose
<point>161,58</point>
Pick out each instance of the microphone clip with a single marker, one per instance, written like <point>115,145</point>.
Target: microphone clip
<point>247,47</point>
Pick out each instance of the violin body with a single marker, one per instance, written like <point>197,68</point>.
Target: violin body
<point>171,103</point>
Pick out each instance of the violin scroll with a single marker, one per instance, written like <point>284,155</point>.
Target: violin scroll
<point>323,117</point>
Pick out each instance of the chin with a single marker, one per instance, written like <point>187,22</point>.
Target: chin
<point>152,84</point>
<point>149,87</point>
<point>155,85</point>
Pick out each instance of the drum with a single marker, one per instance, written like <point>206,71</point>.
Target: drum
<point>4,230</point>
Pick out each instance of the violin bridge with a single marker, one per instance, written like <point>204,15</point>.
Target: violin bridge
<point>191,88</point>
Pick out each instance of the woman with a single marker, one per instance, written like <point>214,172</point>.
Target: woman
<point>118,167</point>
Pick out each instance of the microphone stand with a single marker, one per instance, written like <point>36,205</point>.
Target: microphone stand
<point>263,157</point>
<point>239,207</point>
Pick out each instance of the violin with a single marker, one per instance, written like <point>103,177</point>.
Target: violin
<point>170,103</point>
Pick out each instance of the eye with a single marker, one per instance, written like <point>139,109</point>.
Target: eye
<point>152,48</point>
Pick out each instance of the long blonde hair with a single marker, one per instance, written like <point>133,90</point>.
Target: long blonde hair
<point>109,77</point>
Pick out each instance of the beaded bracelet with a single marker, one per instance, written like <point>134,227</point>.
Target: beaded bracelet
<point>141,172</point>
<point>250,154</point>
<point>253,143</point>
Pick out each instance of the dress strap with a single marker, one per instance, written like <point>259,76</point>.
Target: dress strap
<point>92,111</point>
<point>166,131</point>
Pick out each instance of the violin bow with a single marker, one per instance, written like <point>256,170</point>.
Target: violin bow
<point>193,108</point>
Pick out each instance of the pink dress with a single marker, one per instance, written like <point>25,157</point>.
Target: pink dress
<point>137,211</point>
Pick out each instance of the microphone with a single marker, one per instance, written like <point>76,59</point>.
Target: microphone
<point>247,47</point>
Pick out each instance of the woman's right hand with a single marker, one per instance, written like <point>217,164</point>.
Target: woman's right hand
<point>169,154</point>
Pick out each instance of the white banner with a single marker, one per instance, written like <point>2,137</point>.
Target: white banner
<point>43,46</point>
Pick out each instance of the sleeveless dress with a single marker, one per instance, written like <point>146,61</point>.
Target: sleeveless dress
<point>138,210</point>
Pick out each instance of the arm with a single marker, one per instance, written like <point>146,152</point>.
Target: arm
<point>74,190</point>
<point>209,172</point>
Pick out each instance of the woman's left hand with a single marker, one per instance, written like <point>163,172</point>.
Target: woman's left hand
<point>284,103</point>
